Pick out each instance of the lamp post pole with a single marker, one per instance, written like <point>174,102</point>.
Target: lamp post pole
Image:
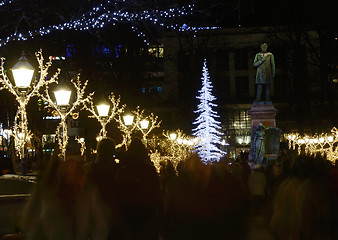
<point>24,90</point>
<point>62,101</point>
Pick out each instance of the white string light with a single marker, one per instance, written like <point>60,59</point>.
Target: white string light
<point>323,144</point>
<point>115,109</point>
<point>62,131</point>
<point>20,131</point>
<point>101,15</point>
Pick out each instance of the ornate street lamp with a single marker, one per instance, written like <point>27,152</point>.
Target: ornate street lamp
<point>128,119</point>
<point>103,110</point>
<point>173,136</point>
<point>144,124</point>
<point>23,90</point>
<point>22,72</point>
<point>62,97</point>
<point>64,109</point>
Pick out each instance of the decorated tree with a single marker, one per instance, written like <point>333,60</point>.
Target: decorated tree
<point>207,128</point>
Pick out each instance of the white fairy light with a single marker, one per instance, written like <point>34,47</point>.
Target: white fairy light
<point>324,144</point>
<point>64,112</point>
<point>101,15</point>
<point>127,130</point>
<point>20,131</point>
<point>82,143</point>
<point>207,129</point>
<point>115,109</point>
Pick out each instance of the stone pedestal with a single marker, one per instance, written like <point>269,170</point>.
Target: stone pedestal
<point>261,112</point>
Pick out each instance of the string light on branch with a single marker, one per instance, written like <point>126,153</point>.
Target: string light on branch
<point>81,141</point>
<point>24,91</point>
<point>4,2</point>
<point>105,113</point>
<point>128,123</point>
<point>65,110</point>
<point>110,13</point>
<point>323,144</point>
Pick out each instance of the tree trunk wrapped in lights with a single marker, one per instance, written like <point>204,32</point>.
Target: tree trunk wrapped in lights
<point>115,109</point>
<point>61,131</point>
<point>20,132</point>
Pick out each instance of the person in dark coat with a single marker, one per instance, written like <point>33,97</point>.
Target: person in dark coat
<point>103,176</point>
<point>140,192</point>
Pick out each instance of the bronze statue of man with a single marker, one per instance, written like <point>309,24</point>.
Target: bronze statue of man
<point>265,64</point>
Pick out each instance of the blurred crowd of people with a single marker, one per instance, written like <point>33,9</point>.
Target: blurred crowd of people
<point>121,196</point>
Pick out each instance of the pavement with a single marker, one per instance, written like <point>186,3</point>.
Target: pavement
<point>258,229</point>
<point>13,196</point>
<point>15,192</point>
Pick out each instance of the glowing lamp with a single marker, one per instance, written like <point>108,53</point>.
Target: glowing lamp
<point>330,138</point>
<point>144,124</point>
<point>103,110</point>
<point>128,119</point>
<point>23,72</point>
<point>179,140</point>
<point>62,97</point>
<point>173,136</point>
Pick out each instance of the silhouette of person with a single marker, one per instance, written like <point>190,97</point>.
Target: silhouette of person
<point>103,176</point>
<point>140,192</point>
<point>265,64</point>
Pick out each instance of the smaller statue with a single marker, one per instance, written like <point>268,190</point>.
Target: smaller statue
<point>265,64</point>
<point>258,148</point>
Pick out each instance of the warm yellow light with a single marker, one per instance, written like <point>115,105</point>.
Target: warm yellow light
<point>173,136</point>
<point>321,140</point>
<point>144,124</point>
<point>128,119</point>
<point>103,110</point>
<point>330,138</point>
<point>62,97</point>
<point>179,140</point>
<point>23,72</point>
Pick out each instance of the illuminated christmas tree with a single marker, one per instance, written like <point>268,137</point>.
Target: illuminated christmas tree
<point>207,129</point>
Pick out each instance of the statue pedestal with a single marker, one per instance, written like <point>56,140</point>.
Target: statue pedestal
<point>261,112</point>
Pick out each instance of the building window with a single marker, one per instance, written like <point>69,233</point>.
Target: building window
<point>241,59</point>
<point>237,123</point>
<point>118,51</point>
<point>152,90</point>
<point>222,60</point>
<point>156,51</point>
<point>159,89</point>
<point>70,50</point>
<point>102,51</point>
<point>242,87</point>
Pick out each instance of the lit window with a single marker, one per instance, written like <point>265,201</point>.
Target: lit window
<point>118,51</point>
<point>70,50</point>
<point>159,89</point>
<point>156,51</point>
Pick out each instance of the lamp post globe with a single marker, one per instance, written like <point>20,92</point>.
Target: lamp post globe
<point>62,97</point>
<point>173,136</point>
<point>128,119</point>
<point>22,72</point>
<point>103,110</point>
<point>144,124</point>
